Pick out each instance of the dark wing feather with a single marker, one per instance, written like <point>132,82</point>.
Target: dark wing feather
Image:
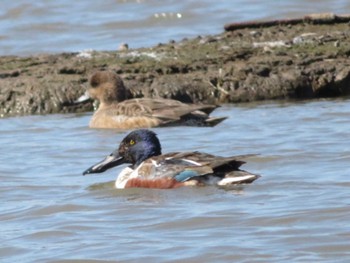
<point>185,165</point>
<point>166,108</point>
<point>169,112</point>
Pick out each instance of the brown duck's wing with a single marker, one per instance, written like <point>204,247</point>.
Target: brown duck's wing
<point>132,107</point>
<point>173,109</point>
<point>145,107</point>
<point>168,112</point>
<point>185,114</point>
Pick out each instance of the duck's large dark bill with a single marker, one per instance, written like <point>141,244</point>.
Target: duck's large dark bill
<point>109,162</point>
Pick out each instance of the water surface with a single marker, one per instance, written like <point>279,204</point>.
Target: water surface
<point>31,27</point>
<point>298,211</point>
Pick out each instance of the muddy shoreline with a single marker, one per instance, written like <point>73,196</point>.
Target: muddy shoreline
<point>303,59</point>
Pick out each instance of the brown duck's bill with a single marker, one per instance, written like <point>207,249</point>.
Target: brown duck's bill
<point>83,98</point>
<point>109,162</point>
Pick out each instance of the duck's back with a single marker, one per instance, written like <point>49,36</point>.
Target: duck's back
<point>185,165</point>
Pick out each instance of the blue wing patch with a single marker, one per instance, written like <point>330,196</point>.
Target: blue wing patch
<point>186,175</point>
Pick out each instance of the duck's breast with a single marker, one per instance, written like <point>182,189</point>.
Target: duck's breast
<point>103,119</point>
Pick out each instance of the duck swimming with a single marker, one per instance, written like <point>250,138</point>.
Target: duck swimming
<point>117,111</point>
<point>149,168</point>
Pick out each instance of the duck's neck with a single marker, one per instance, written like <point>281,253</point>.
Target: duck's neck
<point>103,105</point>
<point>147,152</point>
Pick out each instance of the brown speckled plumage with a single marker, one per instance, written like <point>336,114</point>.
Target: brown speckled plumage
<point>117,111</point>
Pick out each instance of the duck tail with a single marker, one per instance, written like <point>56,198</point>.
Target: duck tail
<point>213,121</point>
<point>208,109</point>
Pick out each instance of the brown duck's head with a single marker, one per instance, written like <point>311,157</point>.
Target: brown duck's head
<point>107,87</point>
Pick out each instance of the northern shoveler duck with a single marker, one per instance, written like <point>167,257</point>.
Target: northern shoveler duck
<point>150,169</point>
<point>117,111</point>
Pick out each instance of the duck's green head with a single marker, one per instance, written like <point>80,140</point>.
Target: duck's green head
<point>136,147</point>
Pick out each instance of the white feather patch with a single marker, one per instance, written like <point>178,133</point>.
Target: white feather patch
<point>192,162</point>
<point>155,163</point>
<point>123,177</point>
<point>232,180</point>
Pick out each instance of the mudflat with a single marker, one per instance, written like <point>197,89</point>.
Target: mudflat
<point>263,60</point>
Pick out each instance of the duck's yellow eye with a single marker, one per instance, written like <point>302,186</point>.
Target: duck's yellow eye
<point>132,142</point>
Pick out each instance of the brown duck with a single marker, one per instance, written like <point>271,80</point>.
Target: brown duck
<point>116,111</point>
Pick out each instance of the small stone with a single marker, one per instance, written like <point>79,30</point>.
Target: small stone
<point>255,33</point>
<point>123,47</point>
